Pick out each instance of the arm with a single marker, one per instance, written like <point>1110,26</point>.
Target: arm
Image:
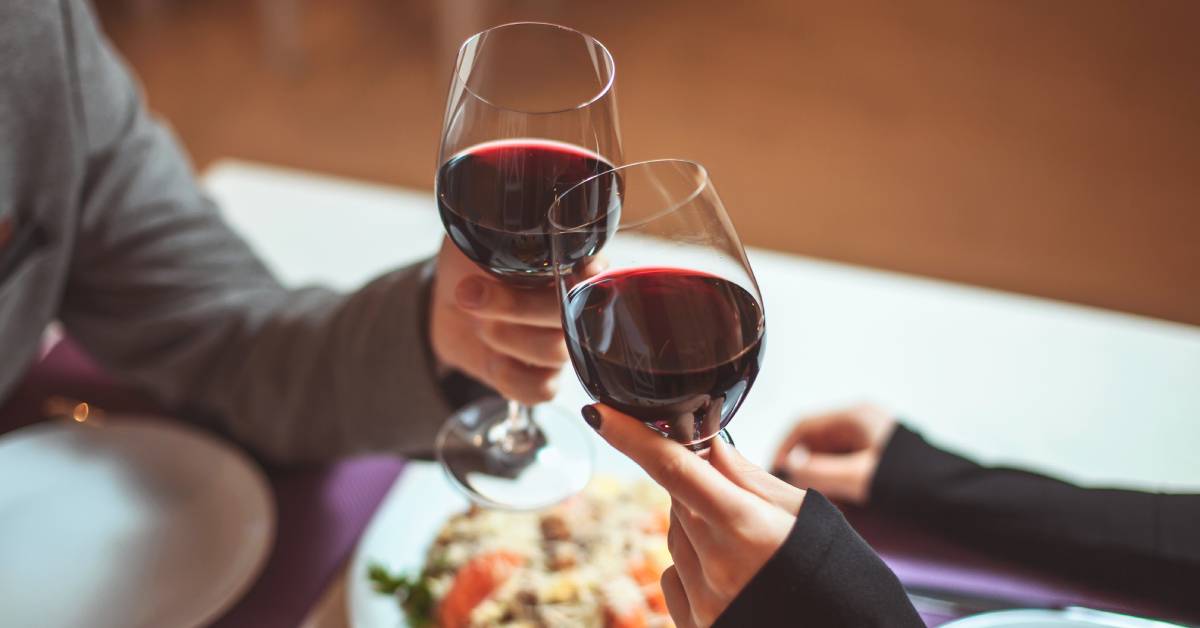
<point>161,291</point>
<point>1145,540</point>
<point>1135,540</point>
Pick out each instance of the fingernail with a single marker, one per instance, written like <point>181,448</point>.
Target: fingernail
<point>798,457</point>
<point>470,293</point>
<point>592,416</point>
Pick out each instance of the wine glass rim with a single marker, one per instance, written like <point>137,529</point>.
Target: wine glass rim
<point>702,182</point>
<point>604,91</point>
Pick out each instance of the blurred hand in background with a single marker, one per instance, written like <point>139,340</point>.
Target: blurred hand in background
<point>836,453</point>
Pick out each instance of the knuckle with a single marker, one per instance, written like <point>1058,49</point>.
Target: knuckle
<point>672,469</point>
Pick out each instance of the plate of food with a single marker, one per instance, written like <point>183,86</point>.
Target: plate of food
<point>430,559</point>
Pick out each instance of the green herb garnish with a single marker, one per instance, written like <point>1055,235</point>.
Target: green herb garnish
<point>413,593</point>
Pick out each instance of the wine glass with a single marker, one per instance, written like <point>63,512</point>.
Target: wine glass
<point>671,329</point>
<point>531,112</point>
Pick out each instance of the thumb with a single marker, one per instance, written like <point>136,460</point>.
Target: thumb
<point>685,475</point>
<point>751,477</point>
<point>838,476</point>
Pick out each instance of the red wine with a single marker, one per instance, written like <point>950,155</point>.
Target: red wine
<point>677,349</point>
<point>494,199</point>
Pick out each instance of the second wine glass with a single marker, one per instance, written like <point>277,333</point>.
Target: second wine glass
<point>672,329</point>
<point>530,113</point>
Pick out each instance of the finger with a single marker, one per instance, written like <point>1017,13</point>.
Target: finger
<point>687,562</point>
<point>685,475</point>
<point>491,300</point>
<point>677,599</point>
<point>827,432</point>
<point>454,341</point>
<point>535,346</point>
<point>520,382</point>
<point>838,476</point>
<point>687,547</point>
<point>730,462</point>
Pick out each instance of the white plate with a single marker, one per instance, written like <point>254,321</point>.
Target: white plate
<point>400,532</point>
<point>130,522</point>
<point>1067,618</point>
<point>406,524</point>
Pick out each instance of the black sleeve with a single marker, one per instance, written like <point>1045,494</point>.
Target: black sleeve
<point>1146,543</point>
<point>824,574</point>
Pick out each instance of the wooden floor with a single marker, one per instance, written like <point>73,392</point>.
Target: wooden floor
<point>1051,148</point>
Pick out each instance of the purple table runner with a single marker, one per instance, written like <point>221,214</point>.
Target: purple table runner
<point>322,513</point>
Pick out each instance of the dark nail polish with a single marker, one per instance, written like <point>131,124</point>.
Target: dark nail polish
<point>592,416</point>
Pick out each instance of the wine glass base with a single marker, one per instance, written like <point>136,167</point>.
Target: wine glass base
<point>557,467</point>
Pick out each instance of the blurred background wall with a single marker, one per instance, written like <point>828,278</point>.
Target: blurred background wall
<point>1049,147</point>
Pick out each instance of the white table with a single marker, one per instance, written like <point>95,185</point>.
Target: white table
<point>1093,396</point>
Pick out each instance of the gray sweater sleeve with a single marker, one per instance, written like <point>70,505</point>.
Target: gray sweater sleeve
<point>161,291</point>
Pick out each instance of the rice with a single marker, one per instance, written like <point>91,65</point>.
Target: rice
<point>592,561</point>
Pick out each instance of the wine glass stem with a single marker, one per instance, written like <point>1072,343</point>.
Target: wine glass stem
<point>517,434</point>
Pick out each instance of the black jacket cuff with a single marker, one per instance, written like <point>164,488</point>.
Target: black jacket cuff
<point>824,574</point>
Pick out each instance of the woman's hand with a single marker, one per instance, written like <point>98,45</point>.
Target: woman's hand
<point>836,453</point>
<point>728,517</point>
<point>508,338</point>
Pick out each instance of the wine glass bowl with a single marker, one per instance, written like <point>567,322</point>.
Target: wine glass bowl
<point>672,330</point>
<point>531,112</point>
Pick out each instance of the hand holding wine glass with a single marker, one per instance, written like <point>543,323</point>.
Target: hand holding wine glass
<point>728,516</point>
<point>508,338</point>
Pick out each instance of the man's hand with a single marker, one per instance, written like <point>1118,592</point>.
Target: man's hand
<point>836,453</point>
<point>508,338</point>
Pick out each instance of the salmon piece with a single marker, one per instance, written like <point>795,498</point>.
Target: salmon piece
<point>478,579</point>
<point>658,522</point>
<point>655,598</point>
<point>643,572</point>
